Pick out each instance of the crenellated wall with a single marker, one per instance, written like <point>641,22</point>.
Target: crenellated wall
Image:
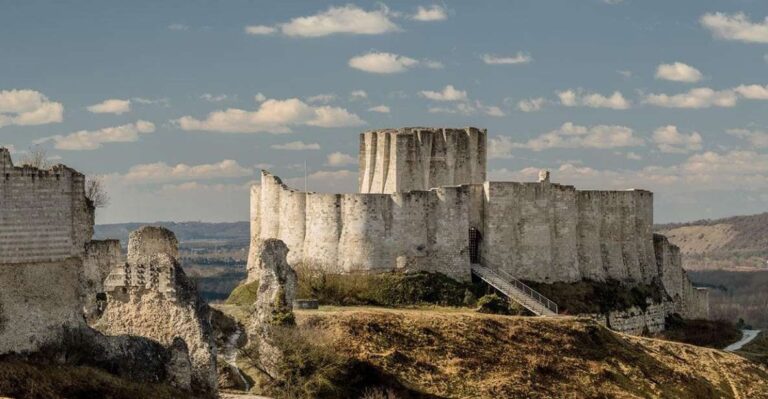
<point>45,216</point>
<point>419,230</point>
<point>417,158</point>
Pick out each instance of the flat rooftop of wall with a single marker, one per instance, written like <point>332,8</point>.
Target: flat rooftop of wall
<point>7,166</point>
<point>416,129</point>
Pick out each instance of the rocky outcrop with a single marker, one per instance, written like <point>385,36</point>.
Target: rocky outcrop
<point>273,308</point>
<point>150,296</point>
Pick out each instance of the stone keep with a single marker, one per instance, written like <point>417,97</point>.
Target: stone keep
<point>421,192</point>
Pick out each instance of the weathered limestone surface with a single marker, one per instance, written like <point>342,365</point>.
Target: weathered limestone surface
<point>150,296</point>
<point>101,256</point>
<point>638,321</point>
<point>45,216</point>
<point>419,158</point>
<point>418,230</point>
<point>690,302</point>
<point>274,302</point>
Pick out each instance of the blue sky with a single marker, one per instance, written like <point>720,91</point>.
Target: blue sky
<point>177,104</point>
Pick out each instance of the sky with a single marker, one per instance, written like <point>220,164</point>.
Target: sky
<point>177,105</point>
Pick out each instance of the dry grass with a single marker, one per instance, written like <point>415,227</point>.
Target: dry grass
<point>24,380</point>
<point>456,354</point>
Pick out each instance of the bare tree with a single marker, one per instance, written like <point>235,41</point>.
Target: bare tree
<point>37,157</point>
<point>95,191</point>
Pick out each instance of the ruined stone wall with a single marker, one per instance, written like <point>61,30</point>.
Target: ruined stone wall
<point>549,232</point>
<point>45,216</point>
<point>419,230</point>
<point>150,296</point>
<point>101,257</point>
<point>690,302</point>
<point>408,159</point>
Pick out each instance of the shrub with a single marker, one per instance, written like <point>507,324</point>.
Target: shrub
<point>589,296</point>
<point>493,304</point>
<point>710,333</point>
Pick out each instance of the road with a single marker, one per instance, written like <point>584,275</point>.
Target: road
<point>748,336</point>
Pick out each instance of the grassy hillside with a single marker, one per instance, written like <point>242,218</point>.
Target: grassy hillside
<point>736,295</point>
<point>734,243</point>
<point>456,354</point>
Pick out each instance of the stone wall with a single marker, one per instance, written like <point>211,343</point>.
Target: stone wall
<point>418,230</point>
<point>690,302</point>
<point>637,321</point>
<point>45,216</point>
<point>101,256</point>
<point>408,159</point>
<point>549,232</point>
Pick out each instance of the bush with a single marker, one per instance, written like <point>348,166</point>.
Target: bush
<point>588,296</point>
<point>710,333</point>
<point>492,304</point>
<point>385,289</point>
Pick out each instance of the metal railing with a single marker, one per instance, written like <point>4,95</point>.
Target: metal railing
<point>517,284</point>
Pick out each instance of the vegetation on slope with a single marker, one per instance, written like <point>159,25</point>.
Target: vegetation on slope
<point>24,380</point>
<point>708,333</point>
<point>757,350</point>
<point>386,289</point>
<point>735,295</point>
<point>455,354</point>
<point>588,296</point>
<point>734,243</point>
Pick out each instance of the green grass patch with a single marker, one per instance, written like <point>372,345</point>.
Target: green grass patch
<point>244,294</point>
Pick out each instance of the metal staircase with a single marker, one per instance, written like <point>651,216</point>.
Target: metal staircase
<point>516,290</point>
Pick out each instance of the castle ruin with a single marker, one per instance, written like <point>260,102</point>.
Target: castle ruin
<point>424,205</point>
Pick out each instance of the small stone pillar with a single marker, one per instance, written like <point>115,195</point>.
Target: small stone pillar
<point>543,176</point>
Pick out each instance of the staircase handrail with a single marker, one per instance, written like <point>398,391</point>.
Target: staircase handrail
<point>525,289</point>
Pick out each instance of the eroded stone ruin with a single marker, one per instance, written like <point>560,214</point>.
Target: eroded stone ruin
<point>422,194</point>
<point>52,286</point>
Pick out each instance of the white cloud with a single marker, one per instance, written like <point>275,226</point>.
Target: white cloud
<point>634,156</point>
<point>579,98</point>
<point>214,98</point>
<point>531,104</point>
<point>260,30</point>
<point>702,97</point>
<point>519,58</point>
<point>321,98</point>
<point>338,181</point>
<point>449,93</point>
<point>27,108</point>
<point>756,138</point>
<point>669,140</point>
<point>272,116</point>
<point>753,92</point>
<point>260,98</point>
<point>736,27</point>
<point>180,27</point>
<point>382,109</point>
<point>358,95</point>
<point>296,146</point>
<point>341,159</point>
<point>493,110</point>
<point>678,72</point>
<point>348,19</point>
<point>94,139</point>
<point>431,13</point>
<point>570,135</point>
<point>162,172</point>
<point>500,147</point>
<point>388,63</point>
<point>111,106</point>
<point>468,108</point>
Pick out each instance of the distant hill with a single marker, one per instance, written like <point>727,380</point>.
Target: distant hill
<point>738,243</point>
<point>185,231</point>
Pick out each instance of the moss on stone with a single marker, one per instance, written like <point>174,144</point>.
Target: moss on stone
<point>244,294</point>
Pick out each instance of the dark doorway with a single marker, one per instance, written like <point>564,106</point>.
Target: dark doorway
<point>474,245</point>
